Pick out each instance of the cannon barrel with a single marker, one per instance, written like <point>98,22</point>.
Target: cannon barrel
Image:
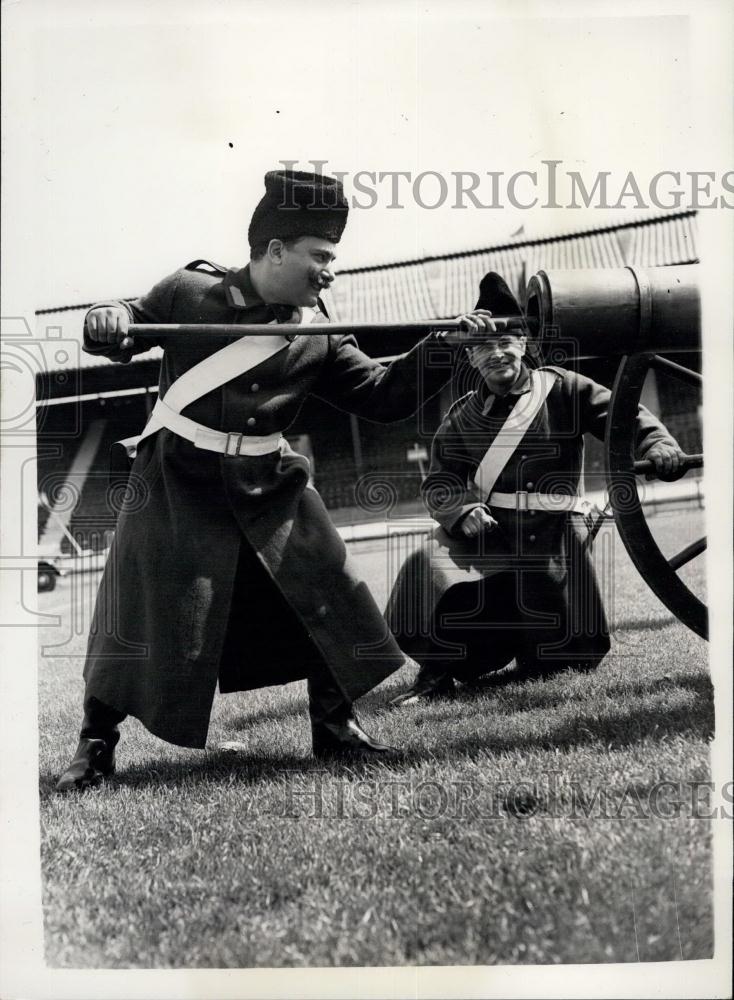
<point>609,311</point>
<point>601,311</point>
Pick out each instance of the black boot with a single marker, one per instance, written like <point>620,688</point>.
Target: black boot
<point>94,759</point>
<point>430,682</point>
<point>335,729</point>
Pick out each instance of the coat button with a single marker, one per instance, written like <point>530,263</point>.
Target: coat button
<point>532,538</point>
<point>254,387</point>
<point>322,611</point>
<point>532,513</point>
<point>251,421</point>
<point>529,486</point>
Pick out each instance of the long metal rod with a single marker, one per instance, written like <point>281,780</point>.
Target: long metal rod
<point>423,326</point>
<point>686,374</point>
<point>689,462</point>
<point>688,553</point>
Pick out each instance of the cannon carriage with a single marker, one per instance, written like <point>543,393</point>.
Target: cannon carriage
<point>635,317</point>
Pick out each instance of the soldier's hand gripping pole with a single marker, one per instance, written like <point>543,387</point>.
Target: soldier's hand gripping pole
<point>643,467</point>
<point>687,462</point>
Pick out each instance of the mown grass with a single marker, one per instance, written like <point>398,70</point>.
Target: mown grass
<point>520,826</point>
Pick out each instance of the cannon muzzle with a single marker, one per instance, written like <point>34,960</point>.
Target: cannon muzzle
<point>609,311</point>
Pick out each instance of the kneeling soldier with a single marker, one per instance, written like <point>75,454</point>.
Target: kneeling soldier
<point>508,575</point>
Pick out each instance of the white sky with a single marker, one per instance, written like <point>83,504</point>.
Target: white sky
<point>134,109</point>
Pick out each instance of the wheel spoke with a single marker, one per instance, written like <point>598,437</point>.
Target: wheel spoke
<point>685,374</point>
<point>688,553</point>
<point>629,517</point>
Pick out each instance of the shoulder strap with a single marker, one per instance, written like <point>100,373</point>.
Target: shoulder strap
<point>229,362</point>
<point>205,265</point>
<point>512,432</point>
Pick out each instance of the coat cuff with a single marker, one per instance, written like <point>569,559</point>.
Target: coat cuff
<point>655,437</point>
<point>452,522</point>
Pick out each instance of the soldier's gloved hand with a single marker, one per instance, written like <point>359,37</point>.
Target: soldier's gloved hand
<point>477,520</point>
<point>668,461</point>
<point>474,324</point>
<point>108,324</point>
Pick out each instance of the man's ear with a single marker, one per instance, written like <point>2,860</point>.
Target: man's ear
<point>469,356</point>
<point>523,342</point>
<point>275,251</point>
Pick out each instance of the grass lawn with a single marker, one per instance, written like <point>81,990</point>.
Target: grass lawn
<point>524,824</point>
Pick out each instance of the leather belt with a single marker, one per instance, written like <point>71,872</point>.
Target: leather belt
<point>552,503</point>
<point>230,443</point>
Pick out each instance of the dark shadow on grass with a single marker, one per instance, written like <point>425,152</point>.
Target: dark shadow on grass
<point>643,624</point>
<point>619,727</point>
<point>615,730</point>
<point>523,697</point>
<point>509,693</point>
<point>216,766</point>
<point>246,719</point>
<point>275,714</point>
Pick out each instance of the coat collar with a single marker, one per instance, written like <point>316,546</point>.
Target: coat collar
<point>240,293</point>
<point>238,289</point>
<point>486,398</point>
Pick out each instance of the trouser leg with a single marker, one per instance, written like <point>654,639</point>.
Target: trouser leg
<point>326,700</point>
<point>335,729</point>
<point>472,617</point>
<point>572,643</point>
<point>100,721</point>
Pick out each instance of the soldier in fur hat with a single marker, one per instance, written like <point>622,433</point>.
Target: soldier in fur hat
<point>225,568</point>
<point>507,574</point>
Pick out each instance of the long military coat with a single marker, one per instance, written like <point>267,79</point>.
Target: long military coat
<point>525,590</point>
<point>229,568</point>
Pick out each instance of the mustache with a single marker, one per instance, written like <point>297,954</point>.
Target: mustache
<point>321,281</point>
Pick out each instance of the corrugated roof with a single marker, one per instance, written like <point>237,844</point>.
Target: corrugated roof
<point>594,250</point>
<point>670,241</point>
<point>396,294</point>
<point>438,287</point>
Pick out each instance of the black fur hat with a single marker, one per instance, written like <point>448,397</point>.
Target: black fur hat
<point>495,295</point>
<point>296,204</point>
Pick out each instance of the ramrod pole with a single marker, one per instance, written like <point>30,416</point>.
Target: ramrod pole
<point>419,328</point>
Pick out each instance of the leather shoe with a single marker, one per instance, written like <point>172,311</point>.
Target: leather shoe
<point>427,686</point>
<point>345,738</point>
<point>93,761</point>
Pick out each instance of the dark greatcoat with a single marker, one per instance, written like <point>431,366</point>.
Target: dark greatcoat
<point>525,590</point>
<point>229,568</point>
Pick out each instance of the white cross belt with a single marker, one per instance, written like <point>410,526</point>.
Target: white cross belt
<point>230,443</point>
<point>551,503</point>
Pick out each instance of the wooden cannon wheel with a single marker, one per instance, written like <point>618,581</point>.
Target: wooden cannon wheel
<point>658,571</point>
